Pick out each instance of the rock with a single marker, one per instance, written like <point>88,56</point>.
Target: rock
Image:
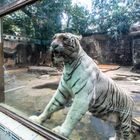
<point>43,70</point>
<point>46,76</point>
<point>119,78</point>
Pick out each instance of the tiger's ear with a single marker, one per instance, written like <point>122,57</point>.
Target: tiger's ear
<point>75,40</point>
<point>79,37</point>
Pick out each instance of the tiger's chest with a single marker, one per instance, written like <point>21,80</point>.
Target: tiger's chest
<point>79,80</point>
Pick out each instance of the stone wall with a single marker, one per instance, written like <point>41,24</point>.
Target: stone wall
<point>108,51</point>
<point>135,35</point>
<point>101,48</point>
<point>136,53</point>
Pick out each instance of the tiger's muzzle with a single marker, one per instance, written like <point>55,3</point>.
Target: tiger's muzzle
<point>57,51</point>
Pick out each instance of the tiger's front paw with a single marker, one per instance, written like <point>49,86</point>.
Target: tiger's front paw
<point>60,130</point>
<point>35,119</point>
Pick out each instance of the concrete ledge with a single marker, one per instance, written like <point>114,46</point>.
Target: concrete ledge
<point>10,128</point>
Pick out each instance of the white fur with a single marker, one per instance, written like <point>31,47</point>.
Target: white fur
<point>84,92</point>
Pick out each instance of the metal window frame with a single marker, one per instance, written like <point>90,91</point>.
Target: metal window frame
<point>13,6</point>
<point>2,98</point>
<point>46,133</point>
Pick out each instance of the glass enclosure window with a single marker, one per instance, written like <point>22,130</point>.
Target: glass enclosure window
<point>6,2</point>
<point>110,36</point>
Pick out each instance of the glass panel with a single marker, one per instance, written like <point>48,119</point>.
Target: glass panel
<point>110,36</point>
<point>6,2</point>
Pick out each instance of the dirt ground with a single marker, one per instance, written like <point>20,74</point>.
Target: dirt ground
<point>29,92</point>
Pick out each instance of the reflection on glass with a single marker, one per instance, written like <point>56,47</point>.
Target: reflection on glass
<point>6,2</point>
<point>110,38</point>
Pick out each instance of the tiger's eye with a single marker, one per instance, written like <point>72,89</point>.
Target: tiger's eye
<point>65,38</point>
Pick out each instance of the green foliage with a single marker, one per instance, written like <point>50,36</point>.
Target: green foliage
<point>40,20</point>
<point>115,16</point>
<point>44,18</point>
<point>78,20</point>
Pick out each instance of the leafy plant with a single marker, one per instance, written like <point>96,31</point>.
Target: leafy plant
<point>115,17</point>
<point>45,18</point>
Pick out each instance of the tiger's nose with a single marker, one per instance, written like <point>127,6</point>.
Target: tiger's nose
<point>54,44</point>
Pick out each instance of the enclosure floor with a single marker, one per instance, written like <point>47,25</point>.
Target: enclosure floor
<point>30,92</point>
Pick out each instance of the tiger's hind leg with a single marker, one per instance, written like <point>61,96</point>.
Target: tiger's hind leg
<point>123,130</point>
<point>126,130</point>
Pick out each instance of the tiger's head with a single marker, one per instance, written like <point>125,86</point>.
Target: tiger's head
<point>65,47</point>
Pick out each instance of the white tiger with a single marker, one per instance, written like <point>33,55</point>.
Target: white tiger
<point>90,89</point>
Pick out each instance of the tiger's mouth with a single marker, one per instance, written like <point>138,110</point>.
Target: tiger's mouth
<point>57,53</point>
<point>57,56</point>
